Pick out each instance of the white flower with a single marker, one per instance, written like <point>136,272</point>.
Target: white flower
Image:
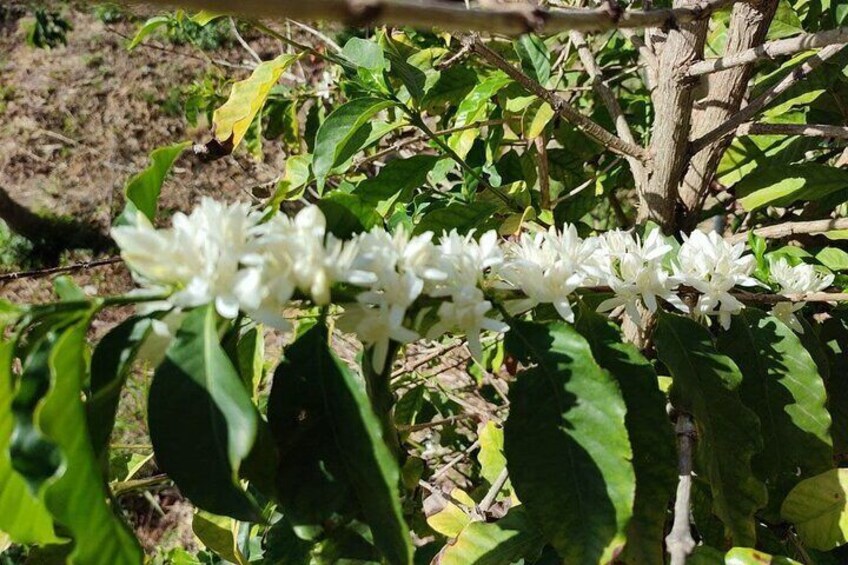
<point>376,326</point>
<point>466,312</point>
<point>198,257</point>
<point>548,267</point>
<point>800,279</point>
<point>634,271</point>
<point>465,260</point>
<point>713,267</point>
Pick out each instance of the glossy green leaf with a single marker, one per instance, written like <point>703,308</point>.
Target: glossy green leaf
<point>462,217</point>
<point>490,456</point>
<point>202,421</point>
<point>348,214</point>
<point>534,56</point>
<point>473,108</point>
<point>343,133</point>
<point>651,434</point>
<point>781,384</point>
<point>76,495</point>
<point>247,98</point>
<point>566,443</point>
<point>395,181</point>
<point>331,445</point>
<point>818,507</point>
<point>365,54</point>
<point>452,86</point>
<point>111,363</point>
<point>783,185</point>
<point>507,540</point>
<point>24,517</point>
<point>142,190</point>
<point>833,258</point>
<point>705,384</point>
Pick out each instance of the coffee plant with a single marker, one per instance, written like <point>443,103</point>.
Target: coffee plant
<point>630,217</point>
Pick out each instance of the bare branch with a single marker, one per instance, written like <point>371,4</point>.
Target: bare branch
<point>560,106</point>
<point>509,19</point>
<point>5,277</point>
<point>243,43</point>
<point>772,50</point>
<point>609,99</point>
<point>806,130</point>
<point>492,495</point>
<point>788,229</point>
<point>756,105</point>
<point>679,541</point>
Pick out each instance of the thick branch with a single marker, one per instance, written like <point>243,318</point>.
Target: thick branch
<point>725,91</point>
<point>772,50</point>
<point>509,19</point>
<point>806,130</point>
<point>782,231</point>
<point>756,105</point>
<point>560,106</point>
<point>672,97</point>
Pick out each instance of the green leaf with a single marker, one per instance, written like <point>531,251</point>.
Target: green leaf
<point>202,421</point>
<point>704,555</point>
<point>205,17</point>
<point>566,444</point>
<point>704,385</point>
<point>783,185</point>
<point>395,181</point>
<point>142,190</point>
<point>651,434</point>
<point>781,384</point>
<point>111,363</point>
<point>347,214</point>
<point>818,508</point>
<point>341,134</point>
<point>219,534</point>
<point>507,540</point>
<point>284,547</point>
<point>76,495</point>
<point>491,457</point>
<point>462,217</point>
<point>534,57</point>
<point>474,108</point>
<point>365,54</point>
<point>452,86</point>
<point>146,29</point>
<point>331,445</point>
<point>833,258</point>
<point>24,517</point>
<point>247,97</point>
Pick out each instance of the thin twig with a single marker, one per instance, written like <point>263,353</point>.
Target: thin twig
<point>244,43</point>
<point>437,423</point>
<point>756,105</point>
<point>452,463</point>
<point>492,495</point>
<point>806,130</point>
<point>560,106</point>
<point>421,361</point>
<point>5,277</point>
<point>679,542</point>
<point>771,50</point>
<point>323,37</point>
<point>788,229</point>
<point>509,19</point>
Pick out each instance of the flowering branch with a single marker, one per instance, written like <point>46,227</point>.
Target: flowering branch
<point>397,288</point>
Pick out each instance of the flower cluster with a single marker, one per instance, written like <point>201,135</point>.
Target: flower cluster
<point>799,279</point>
<point>409,286</point>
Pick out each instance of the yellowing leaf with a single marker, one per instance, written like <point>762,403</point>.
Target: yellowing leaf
<point>491,457</point>
<point>246,99</point>
<point>818,508</point>
<point>451,519</point>
<point>218,533</point>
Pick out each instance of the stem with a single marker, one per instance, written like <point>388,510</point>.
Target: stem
<point>378,387</point>
<point>490,497</point>
<point>679,542</point>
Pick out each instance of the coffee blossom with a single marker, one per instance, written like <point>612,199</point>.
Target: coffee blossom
<point>800,279</point>
<point>713,267</point>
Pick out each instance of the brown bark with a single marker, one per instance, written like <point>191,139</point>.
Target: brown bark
<point>672,99</point>
<point>749,23</point>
